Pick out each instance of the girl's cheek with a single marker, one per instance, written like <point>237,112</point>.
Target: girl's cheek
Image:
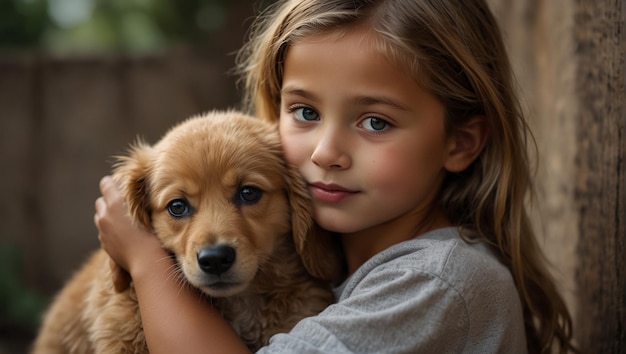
<point>295,154</point>
<point>291,149</point>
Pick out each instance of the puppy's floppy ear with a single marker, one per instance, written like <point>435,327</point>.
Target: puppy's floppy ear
<point>132,175</point>
<point>317,248</point>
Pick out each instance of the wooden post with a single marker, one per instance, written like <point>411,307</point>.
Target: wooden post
<point>600,34</point>
<point>569,58</point>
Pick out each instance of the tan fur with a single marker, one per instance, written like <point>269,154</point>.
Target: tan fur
<point>283,274</point>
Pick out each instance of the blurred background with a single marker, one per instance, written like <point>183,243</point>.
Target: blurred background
<point>79,81</point>
<point>82,79</point>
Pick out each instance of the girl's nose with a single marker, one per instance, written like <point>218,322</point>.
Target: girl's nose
<point>329,152</point>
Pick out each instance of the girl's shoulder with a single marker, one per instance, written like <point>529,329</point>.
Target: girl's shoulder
<point>439,276</point>
<point>439,259</point>
<point>412,297</point>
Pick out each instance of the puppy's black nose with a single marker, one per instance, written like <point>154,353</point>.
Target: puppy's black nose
<point>217,259</point>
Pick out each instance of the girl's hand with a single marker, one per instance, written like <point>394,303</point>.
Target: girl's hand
<point>128,245</point>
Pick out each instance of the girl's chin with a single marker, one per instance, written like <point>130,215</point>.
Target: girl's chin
<point>336,226</point>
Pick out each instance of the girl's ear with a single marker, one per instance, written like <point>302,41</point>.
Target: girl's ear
<point>466,143</point>
<point>132,174</point>
<point>316,248</point>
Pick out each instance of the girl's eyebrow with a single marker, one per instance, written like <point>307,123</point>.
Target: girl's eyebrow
<point>294,91</point>
<point>372,100</point>
<point>365,100</point>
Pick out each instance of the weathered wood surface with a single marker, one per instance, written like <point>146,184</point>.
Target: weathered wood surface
<point>569,57</point>
<point>601,189</point>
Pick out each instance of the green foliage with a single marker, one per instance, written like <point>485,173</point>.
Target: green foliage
<point>18,304</point>
<point>22,23</point>
<point>129,26</point>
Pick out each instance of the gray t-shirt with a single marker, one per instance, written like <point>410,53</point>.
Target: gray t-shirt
<point>433,294</point>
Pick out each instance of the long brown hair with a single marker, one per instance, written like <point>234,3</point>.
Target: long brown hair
<point>453,48</point>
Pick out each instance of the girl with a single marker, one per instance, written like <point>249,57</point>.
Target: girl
<point>401,116</point>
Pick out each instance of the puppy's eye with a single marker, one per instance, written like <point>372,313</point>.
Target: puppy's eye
<point>178,208</point>
<point>248,195</point>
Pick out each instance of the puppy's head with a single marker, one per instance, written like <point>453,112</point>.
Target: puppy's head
<point>219,196</point>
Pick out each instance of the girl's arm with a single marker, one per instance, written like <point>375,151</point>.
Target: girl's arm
<point>175,317</point>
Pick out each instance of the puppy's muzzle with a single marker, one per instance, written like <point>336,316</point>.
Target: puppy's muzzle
<point>217,259</point>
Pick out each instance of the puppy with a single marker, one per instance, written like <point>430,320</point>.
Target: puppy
<point>237,218</point>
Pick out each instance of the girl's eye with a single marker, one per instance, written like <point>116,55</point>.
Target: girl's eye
<point>375,124</point>
<point>248,195</point>
<point>306,114</point>
<point>179,208</point>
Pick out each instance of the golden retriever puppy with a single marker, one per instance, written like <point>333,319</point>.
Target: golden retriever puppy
<point>219,196</point>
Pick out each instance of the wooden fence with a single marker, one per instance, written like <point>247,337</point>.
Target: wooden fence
<point>61,119</point>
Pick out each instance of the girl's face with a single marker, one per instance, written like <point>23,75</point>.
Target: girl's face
<point>366,137</point>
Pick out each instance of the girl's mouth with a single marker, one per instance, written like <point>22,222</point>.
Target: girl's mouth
<point>330,193</point>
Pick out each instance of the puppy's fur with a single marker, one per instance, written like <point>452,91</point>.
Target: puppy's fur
<point>219,196</point>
